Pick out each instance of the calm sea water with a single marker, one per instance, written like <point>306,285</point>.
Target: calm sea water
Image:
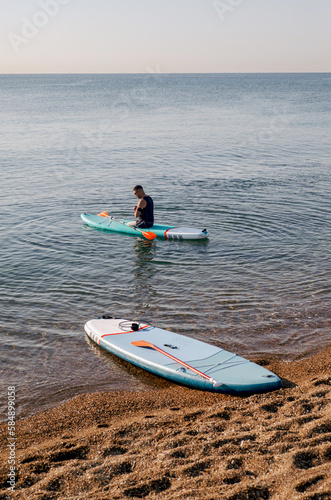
<point>247,156</point>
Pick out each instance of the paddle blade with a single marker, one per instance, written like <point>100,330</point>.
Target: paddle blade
<point>142,343</point>
<point>149,235</point>
<point>104,214</point>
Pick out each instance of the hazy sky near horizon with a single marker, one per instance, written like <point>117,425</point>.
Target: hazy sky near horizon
<point>168,36</point>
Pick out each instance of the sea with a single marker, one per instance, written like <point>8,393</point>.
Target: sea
<point>246,156</point>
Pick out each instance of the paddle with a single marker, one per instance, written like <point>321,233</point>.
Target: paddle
<point>143,343</point>
<point>148,234</point>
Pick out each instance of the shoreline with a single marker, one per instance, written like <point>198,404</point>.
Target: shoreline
<point>171,442</point>
<point>149,381</point>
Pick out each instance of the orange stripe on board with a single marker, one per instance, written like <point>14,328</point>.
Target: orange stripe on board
<point>122,333</point>
<point>183,363</point>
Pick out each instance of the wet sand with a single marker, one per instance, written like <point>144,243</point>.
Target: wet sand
<point>177,443</point>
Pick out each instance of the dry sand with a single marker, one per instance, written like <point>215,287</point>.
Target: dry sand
<point>177,443</point>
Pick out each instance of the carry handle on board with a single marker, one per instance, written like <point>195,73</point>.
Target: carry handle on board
<point>143,343</point>
<point>148,234</point>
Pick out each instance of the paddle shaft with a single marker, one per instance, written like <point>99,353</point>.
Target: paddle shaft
<point>150,234</point>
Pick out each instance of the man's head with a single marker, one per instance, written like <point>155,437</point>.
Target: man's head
<point>138,191</point>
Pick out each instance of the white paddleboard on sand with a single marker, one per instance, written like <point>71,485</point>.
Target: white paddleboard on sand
<point>179,358</point>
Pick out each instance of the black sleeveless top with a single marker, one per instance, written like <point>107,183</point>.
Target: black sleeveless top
<point>147,214</point>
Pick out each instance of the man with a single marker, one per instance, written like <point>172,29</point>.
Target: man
<point>144,211</point>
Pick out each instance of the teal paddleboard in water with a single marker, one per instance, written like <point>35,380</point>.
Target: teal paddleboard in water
<point>179,358</point>
<point>160,231</point>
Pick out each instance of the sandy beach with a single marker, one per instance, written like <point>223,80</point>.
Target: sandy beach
<point>177,443</point>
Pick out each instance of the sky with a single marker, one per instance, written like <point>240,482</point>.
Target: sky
<point>165,36</point>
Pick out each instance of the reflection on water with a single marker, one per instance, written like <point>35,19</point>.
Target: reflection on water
<point>145,274</point>
<point>144,249</point>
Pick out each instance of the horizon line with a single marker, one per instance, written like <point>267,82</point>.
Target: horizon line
<point>180,73</point>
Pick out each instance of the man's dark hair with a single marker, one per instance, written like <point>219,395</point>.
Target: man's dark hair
<point>136,188</point>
